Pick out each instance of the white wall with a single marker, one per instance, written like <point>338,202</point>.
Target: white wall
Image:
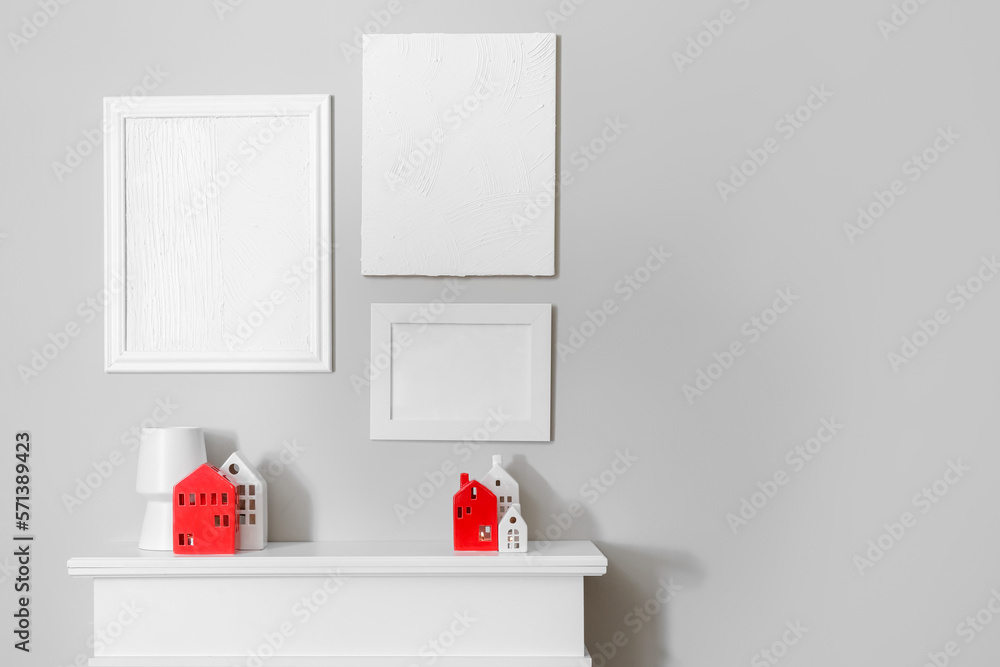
<point>622,392</point>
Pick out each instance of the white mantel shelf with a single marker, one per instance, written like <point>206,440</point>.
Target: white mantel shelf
<point>342,604</point>
<point>345,558</point>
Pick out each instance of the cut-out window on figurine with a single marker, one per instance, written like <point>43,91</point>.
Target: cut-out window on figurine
<point>515,531</point>
<point>252,515</point>
<point>503,486</point>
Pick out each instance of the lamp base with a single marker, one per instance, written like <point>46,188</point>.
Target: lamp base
<point>158,525</point>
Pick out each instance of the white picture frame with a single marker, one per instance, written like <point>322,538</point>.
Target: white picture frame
<point>461,371</point>
<point>236,188</point>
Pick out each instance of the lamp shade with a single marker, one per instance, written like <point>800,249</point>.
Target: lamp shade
<point>166,456</point>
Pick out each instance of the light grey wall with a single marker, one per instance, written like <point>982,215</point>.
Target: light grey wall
<point>665,517</point>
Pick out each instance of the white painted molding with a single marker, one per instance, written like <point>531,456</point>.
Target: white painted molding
<point>315,354</point>
<point>545,559</point>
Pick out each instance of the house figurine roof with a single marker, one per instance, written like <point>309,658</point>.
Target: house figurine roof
<point>512,531</point>
<point>237,467</point>
<point>205,474</point>
<point>465,483</point>
<point>499,474</point>
<point>514,511</point>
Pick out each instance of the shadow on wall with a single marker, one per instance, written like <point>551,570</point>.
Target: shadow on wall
<point>219,445</point>
<point>628,609</point>
<point>546,513</point>
<point>289,509</point>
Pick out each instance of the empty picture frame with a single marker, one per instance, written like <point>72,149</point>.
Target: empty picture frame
<point>218,232</point>
<point>458,154</point>
<point>461,371</point>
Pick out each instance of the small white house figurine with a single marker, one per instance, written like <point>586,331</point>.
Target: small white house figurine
<point>513,531</point>
<point>503,486</point>
<point>251,502</point>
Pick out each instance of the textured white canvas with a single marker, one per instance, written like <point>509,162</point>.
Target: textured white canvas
<point>204,257</point>
<point>458,154</point>
<point>218,234</point>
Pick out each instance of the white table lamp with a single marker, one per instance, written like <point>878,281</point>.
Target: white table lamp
<point>166,456</point>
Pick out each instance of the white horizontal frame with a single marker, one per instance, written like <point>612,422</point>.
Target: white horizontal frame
<point>316,110</point>
<point>532,423</point>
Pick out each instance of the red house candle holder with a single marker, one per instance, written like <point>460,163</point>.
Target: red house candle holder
<point>205,513</point>
<point>474,512</point>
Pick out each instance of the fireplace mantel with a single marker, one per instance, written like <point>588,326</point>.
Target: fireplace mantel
<point>339,604</point>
